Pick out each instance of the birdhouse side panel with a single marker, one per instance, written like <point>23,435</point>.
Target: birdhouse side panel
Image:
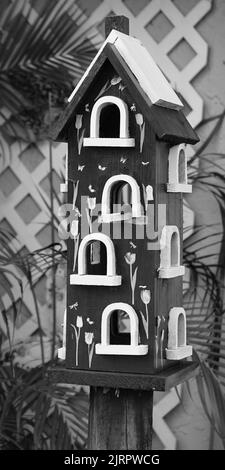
<point>169,291</point>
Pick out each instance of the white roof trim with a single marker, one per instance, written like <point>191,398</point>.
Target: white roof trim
<point>144,68</point>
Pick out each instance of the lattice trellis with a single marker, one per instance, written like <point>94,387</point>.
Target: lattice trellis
<point>168,29</point>
<point>24,188</point>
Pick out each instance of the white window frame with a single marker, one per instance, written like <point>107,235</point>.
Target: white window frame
<point>174,160</point>
<point>174,350</point>
<point>95,140</point>
<point>107,216</point>
<point>108,279</point>
<point>166,270</point>
<point>132,349</point>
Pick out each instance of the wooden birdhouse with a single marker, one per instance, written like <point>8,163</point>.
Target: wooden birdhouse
<point>125,324</point>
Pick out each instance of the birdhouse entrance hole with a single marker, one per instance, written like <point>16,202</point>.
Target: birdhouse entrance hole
<point>177,347</point>
<point>109,124</point>
<point>177,174</point>
<point>174,249</point>
<point>182,177</point>
<point>115,342</point>
<point>170,253</point>
<point>96,262</point>
<point>119,327</point>
<point>110,121</point>
<point>181,327</point>
<point>120,199</point>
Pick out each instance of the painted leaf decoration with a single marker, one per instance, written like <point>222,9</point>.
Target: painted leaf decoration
<point>103,89</point>
<point>88,219</point>
<point>134,279</point>
<point>142,136</point>
<point>91,352</point>
<point>76,245</point>
<point>75,191</point>
<point>80,142</point>
<point>144,321</point>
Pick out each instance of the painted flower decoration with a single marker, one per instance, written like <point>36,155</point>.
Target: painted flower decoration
<point>149,193</point>
<point>146,296</point>
<point>139,119</point>
<point>140,122</point>
<point>74,228</point>
<point>78,122</point>
<point>130,258</point>
<point>88,337</point>
<point>79,322</point>
<point>115,80</point>
<point>78,126</point>
<point>91,201</point>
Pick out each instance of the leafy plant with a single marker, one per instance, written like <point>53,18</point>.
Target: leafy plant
<point>38,414</point>
<point>44,48</point>
<point>204,300</point>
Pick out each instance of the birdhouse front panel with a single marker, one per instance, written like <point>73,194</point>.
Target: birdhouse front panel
<point>126,177</point>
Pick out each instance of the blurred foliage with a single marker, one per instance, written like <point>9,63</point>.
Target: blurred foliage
<point>42,50</point>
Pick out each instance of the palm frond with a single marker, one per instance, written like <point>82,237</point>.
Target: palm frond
<point>41,51</point>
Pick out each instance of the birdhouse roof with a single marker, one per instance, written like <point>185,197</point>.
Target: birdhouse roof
<point>147,84</point>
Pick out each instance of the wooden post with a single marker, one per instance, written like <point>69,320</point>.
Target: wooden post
<point>119,419</point>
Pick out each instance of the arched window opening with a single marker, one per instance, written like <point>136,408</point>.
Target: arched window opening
<point>119,327</point>
<point>174,249</point>
<point>109,122</point>
<point>121,198</point>
<point>120,331</point>
<point>96,258</point>
<point>170,253</point>
<point>177,347</point>
<point>182,168</point>
<point>181,337</point>
<point>177,170</point>
<point>96,262</point>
